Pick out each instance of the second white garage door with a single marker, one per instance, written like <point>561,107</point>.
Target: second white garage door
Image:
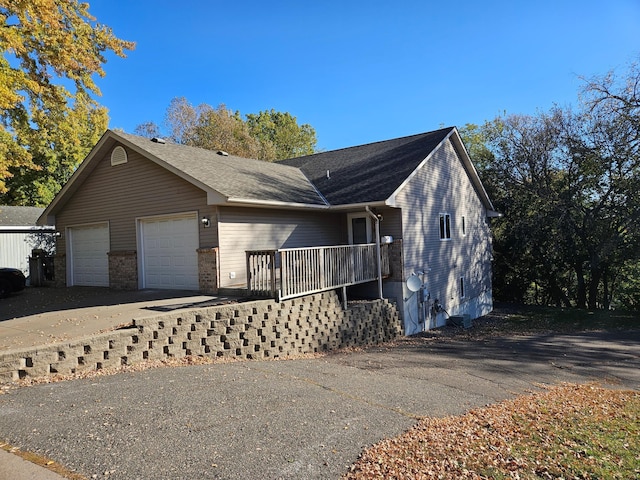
<point>170,258</point>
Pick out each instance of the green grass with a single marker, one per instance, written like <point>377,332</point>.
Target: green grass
<point>562,320</point>
<point>568,431</point>
<point>589,441</point>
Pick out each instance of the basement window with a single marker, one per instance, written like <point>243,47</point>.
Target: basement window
<point>118,156</point>
<point>445,226</point>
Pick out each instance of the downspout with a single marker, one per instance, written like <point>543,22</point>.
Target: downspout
<point>377,220</point>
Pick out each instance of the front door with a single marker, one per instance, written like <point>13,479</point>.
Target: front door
<point>359,228</point>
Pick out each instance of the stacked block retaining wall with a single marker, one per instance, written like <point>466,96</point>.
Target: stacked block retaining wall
<point>251,330</point>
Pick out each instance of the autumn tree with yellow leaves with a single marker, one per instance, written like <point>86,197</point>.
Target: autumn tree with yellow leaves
<point>51,52</point>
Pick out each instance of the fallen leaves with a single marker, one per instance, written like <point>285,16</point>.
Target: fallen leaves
<point>568,431</point>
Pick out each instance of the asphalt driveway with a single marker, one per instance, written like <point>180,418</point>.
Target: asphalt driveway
<point>302,419</point>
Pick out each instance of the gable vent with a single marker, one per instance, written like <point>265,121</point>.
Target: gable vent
<point>118,156</point>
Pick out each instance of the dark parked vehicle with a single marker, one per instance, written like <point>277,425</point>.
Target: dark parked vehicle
<point>11,280</point>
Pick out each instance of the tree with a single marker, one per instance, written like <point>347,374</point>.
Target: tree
<point>148,129</point>
<point>566,182</point>
<point>527,176</point>
<point>222,129</point>
<point>282,130</point>
<point>182,118</point>
<point>614,106</point>
<point>268,135</point>
<point>56,149</point>
<point>50,51</point>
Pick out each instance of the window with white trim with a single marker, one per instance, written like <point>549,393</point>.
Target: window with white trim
<point>445,226</point>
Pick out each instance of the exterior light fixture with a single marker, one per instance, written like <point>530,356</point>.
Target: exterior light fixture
<point>206,223</point>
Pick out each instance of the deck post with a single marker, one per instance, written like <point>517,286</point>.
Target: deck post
<point>378,255</point>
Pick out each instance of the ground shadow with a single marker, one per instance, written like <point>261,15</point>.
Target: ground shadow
<point>39,300</point>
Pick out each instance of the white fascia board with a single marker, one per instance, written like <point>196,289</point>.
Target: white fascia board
<point>360,206</point>
<point>475,178</point>
<point>27,229</point>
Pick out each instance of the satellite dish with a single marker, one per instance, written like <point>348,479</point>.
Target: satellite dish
<point>413,283</point>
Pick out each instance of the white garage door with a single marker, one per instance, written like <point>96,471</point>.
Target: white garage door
<point>170,258</point>
<point>89,260</point>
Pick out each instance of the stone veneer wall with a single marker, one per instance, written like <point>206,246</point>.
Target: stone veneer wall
<point>208,270</point>
<point>395,261</point>
<point>251,330</point>
<point>123,270</point>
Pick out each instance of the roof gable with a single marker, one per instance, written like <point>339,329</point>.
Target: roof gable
<point>235,178</point>
<point>227,178</point>
<point>368,173</point>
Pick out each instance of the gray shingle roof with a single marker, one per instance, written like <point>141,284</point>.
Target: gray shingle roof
<point>234,177</point>
<point>11,216</point>
<point>367,173</point>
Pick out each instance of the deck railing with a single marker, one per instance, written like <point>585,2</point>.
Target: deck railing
<point>261,273</point>
<point>293,272</point>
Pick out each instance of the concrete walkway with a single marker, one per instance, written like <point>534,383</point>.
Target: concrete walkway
<point>12,467</point>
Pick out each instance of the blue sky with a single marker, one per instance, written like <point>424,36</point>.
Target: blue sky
<point>362,71</point>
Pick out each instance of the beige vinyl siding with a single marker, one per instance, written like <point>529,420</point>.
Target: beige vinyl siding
<point>139,188</point>
<point>443,186</point>
<point>243,229</point>
<point>391,223</point>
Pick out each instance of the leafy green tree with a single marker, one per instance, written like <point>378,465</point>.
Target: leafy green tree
<point>613,106</point>
<point>282,130</point>
<point>222,129</point>
<point>268,135</point>
<point>527,184</point>
<point>567,183</point>
<point>51,50</point>
<point>56,149</point>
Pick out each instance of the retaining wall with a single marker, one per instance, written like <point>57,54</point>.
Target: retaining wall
<point>251,330</point>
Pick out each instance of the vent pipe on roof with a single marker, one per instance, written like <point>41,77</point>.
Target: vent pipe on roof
<point>158,140</point>
<point>328,174</point>
<point>223,153</point>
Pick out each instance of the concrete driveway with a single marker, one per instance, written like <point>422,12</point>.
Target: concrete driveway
<point>39,316</point>
<point>297,419</point>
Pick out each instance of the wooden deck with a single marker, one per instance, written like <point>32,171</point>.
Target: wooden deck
<point>293,272</point>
